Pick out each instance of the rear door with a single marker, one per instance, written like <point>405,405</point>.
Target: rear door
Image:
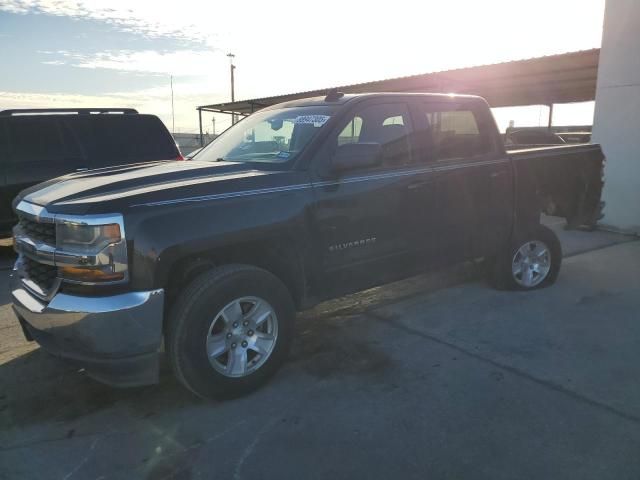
<point>363,216</point>
<point>473,178</point>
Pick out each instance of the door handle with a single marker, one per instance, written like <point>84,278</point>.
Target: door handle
<point>419,184</point>
<point>496,174</point>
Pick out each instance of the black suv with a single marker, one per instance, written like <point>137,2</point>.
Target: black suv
<point>37,145</point>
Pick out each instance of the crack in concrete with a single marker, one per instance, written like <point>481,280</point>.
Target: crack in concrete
<point>513,370</point>
<point>49,440</point>
<point>84,460</point>
<point>251,447</point>
<point>192,449</point>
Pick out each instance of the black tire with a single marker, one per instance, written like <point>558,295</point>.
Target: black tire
<point>191,316</point>
<point>501,275</point>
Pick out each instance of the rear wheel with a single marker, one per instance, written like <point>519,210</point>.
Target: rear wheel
<point>532,262</point>
<point>229,331</point>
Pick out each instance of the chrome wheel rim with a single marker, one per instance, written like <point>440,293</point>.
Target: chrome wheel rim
<point>531,264</point>
<point>242,336</point>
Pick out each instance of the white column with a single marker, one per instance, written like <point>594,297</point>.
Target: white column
<point>617,114</point>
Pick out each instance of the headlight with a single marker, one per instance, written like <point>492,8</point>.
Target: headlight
<point>86,239</point>
<point>91,253</point>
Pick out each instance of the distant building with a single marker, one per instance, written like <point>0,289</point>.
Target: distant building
<point>188,142</point>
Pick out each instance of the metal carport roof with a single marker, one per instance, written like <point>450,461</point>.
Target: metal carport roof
<point>563,78</point>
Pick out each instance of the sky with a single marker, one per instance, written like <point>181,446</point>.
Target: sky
<point>98,53</point>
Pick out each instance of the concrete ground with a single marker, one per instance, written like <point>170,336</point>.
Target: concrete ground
<point>464,382</point>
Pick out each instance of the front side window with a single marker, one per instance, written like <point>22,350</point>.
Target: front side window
<point>387,124</point>
<point>270,136</point>
<point>452,131</point>
<point>351,133</point>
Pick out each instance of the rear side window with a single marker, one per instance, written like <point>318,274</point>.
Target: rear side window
<point>121,139</point>
<point>452,131</point>
<point>32,139</point>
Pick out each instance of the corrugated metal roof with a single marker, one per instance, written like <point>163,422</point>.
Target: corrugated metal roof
<point>562,78</point>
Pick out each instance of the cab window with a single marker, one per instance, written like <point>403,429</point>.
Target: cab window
<point>351,132</point>
<point>452,132</point>
<point>387,124</point>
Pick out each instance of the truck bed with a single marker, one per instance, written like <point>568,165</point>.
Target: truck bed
<point>567,179</point>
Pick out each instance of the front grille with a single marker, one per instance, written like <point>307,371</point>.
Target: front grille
<point>42,275</point>
<point>41,232</point>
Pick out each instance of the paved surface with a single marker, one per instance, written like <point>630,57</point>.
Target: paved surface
<point>465,382</point>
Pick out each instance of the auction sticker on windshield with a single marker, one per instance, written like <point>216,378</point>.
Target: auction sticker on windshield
<point>316,120</point>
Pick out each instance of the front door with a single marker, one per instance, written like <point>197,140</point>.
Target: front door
<point>363,216</point>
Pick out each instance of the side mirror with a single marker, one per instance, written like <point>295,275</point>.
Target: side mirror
<point>352,156</point>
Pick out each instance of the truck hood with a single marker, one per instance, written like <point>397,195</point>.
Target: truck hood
<point>117,188</point>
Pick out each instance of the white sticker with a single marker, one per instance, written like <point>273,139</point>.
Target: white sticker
<point>316,120</point>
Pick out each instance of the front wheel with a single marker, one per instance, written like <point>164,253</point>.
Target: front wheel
<point>532,262</point>
<point>229,331</point>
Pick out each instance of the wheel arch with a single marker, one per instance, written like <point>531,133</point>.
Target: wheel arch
<point>279,256</point>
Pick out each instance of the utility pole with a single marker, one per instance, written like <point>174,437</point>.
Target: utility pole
<point>173,117</point>
<point>233,95</point>
<point>213,124</point>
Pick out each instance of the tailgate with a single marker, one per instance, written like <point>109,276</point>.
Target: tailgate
<point>567,179</point>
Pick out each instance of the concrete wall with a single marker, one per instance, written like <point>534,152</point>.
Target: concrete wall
<point>617,113</point>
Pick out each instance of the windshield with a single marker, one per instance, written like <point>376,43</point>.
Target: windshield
<point>272,136</point>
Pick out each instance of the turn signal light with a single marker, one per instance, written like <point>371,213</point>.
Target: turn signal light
<point>85,274</point>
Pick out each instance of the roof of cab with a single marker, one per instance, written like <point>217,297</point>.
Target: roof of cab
<point>322,101</point>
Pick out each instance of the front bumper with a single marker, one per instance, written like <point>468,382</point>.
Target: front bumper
<point>116,339</point>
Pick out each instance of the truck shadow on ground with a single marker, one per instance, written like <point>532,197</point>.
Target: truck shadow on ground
<point>40,388</point>
<point>37,387</point>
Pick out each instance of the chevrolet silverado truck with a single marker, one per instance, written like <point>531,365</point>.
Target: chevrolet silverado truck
<point>208,260</point>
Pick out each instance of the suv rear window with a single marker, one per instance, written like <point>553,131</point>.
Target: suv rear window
<point>121,139</point>
<point>35,138</point>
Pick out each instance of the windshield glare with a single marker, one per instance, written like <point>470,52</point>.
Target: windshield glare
<point>271,136</point>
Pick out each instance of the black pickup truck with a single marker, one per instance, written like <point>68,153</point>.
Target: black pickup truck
<point>300,202</point>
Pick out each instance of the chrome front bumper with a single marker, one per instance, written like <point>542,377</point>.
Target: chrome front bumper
<point>115,338</point>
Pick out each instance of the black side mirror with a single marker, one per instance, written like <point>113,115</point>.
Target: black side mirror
<point>352,156</point>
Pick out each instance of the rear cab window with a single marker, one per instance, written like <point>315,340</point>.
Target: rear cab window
<point>35,138</point>
<point>120,139</point>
